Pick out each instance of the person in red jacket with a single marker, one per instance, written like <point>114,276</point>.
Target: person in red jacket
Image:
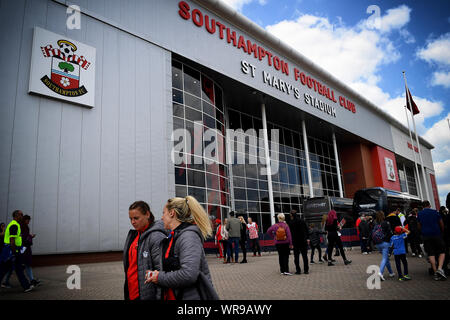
<point>218,238</point>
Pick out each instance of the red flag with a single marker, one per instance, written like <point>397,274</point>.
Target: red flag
<point>415,110</point>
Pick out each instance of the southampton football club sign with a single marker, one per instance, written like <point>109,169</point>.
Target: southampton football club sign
<point>62,68</point>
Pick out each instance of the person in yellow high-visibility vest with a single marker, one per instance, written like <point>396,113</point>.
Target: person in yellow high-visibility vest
<point>11,253</point>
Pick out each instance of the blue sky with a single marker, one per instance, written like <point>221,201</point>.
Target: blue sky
<point>368,52</point>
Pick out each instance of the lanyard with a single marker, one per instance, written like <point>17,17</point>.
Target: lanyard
<point>170,244</point>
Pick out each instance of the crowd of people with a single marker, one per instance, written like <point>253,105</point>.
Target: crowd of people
<point>423,230</point>
<point>165,259</point>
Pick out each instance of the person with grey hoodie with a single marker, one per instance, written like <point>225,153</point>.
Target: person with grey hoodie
<point>184,273</point>
<point>141,252</point>
<point>234,233</point>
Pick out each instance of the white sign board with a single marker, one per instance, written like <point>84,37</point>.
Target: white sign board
<point>390,169</point>
<point>62,68</point>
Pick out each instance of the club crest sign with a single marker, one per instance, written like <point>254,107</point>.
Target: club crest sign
<point>62,68</point>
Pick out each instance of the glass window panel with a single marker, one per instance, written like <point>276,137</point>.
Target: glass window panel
<point>196,178</point>
<point>250,170</point>
<point>238,182</point>
<point>191,81</point>
<point>286,208</point>
<point>234,119</point>
<point>209,122</point>
<point>214,211</point>
<point>178,110</point>
<point>253,206</point>
<point>252,195</point>
<point>218,97</point>
<point>212,168</point>
<point>264,195</point>
<point>207,89</point>
<point>193,115</point>
<point>192,101</point>
<point>276,187</point>
<point>263,185</point>
<point>252,183</point>
<point>212,181</point>
<point>177,95</point>
<point>288,138</point>
<point>198,193</point>
<point>293,174</point>
<point>240,194</point>
<point>208,109</point>
<point>266,222</point>
<point>311,145</point>
<point>180,191</point>
<point>247,122</point>
<point>224,199</point>
<point>240,206</point>
<point>180,175</point>
<point>265,207</point>
<point>239,170</point>
<point>213,197</point>
<point>177,79</point>
<point>283,173</point>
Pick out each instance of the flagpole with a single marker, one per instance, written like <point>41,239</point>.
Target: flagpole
<point>417,139</point>
<point>414,153</point>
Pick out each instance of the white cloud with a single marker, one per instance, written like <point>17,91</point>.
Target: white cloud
<point>439,136</point>
<point>441,78</point>
<point>437,51</point>
<point>239,4</point>
<point>394,19</point>
<point>236,4</point>
<point>355,54</point>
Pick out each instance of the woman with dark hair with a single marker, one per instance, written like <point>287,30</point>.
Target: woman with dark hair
<point>141,252</point>
<point>331,227</point>
<point>384,243</point>
<point>184,273</point>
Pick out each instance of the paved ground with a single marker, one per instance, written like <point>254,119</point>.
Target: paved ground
<point>258,279</point>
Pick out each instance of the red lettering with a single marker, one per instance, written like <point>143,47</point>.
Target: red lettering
<point>320,88</point>
<point>231,36</point>
<point>184,10</point>
<point>211,28</point>
<point>221,28</point>
<point>276,63</point>
<point>269,58</point>
<point>197,14</point>
<point>241,43</point>
<point>296,74</point>
<point>309,82</point>
<point>303,78</point>
<point>284,67</point>
<point>252,48</point>
<point>261,53</point>
<point>315,84</point>
<point>332,96</point>
<point>342,101</point>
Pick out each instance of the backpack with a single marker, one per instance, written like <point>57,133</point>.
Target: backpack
<point>377,234</point>
<point>281,234</point>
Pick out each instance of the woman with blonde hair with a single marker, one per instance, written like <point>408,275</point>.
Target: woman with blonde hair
<point>184,271</point>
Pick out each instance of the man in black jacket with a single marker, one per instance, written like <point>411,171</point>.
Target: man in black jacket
<point>364,232</point>
<point>300,239</point>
